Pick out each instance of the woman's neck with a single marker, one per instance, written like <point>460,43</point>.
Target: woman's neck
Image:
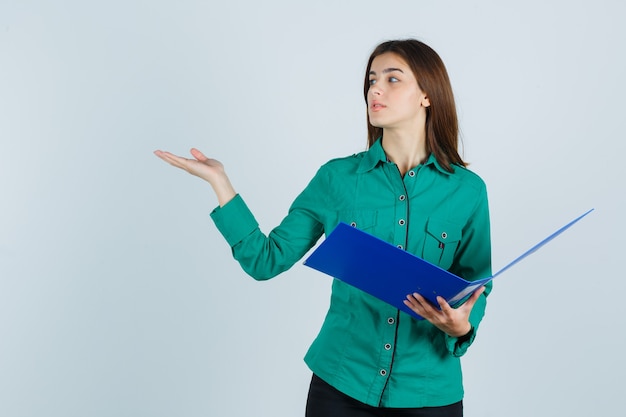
<point>405,150</point>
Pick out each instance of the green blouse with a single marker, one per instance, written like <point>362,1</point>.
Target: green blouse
<point>366,348</point>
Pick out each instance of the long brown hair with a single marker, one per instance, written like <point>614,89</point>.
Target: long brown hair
<point>442,126</point>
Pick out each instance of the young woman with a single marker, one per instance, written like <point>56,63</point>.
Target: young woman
<point>410,188</point>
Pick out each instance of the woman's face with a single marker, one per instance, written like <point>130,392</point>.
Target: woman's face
<point>395,100</point>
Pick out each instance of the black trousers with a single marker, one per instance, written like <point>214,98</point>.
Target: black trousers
<point>326,401</point>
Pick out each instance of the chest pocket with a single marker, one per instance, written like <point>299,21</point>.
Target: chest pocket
<point>441,242</point>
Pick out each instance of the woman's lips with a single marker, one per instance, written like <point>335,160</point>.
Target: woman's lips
<point>377,106</point>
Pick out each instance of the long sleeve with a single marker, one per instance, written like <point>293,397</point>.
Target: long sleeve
<point>264,257</point>
<point>473,261</point>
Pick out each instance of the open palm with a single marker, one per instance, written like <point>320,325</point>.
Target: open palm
<point>208,169</point>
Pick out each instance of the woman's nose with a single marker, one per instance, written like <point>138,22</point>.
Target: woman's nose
<point>375,90</point>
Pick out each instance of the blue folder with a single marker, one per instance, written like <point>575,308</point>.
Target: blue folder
<point>390,274</point>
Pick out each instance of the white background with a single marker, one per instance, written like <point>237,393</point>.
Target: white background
<point>118,297</point>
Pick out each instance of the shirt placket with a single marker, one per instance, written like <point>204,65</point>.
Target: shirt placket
<point>387,349</point>
<point>392,317</point>
<point>402,210</point>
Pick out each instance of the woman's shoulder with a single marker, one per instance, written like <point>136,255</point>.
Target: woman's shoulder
<point>344,163</point>
<point>468,177</point>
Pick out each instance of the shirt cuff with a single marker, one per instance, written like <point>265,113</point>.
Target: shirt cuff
<point>459,345</point>
<point>234,220</point>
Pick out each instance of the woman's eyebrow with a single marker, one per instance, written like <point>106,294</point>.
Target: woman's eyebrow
<point>387,70</point>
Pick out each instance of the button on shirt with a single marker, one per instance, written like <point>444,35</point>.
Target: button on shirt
<point>366,348</point>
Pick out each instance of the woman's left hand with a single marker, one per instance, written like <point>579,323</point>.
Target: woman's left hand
<point>453,321</point>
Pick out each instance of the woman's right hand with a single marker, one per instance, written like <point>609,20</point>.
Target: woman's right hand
<point>208,169</point>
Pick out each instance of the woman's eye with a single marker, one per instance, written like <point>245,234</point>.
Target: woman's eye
<point>372,82</point>
<point>393,80</point>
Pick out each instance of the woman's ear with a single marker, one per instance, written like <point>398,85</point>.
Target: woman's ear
<point>425,101</point>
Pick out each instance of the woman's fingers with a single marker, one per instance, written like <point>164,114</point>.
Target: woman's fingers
<point>444,306</point>
<point>198,155</point>
<point>453,321</point>
<point>170,158</point>
<point>469,304</point>
<point>419,304</point>
<point>189,165</point>
<point>208,169</point>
